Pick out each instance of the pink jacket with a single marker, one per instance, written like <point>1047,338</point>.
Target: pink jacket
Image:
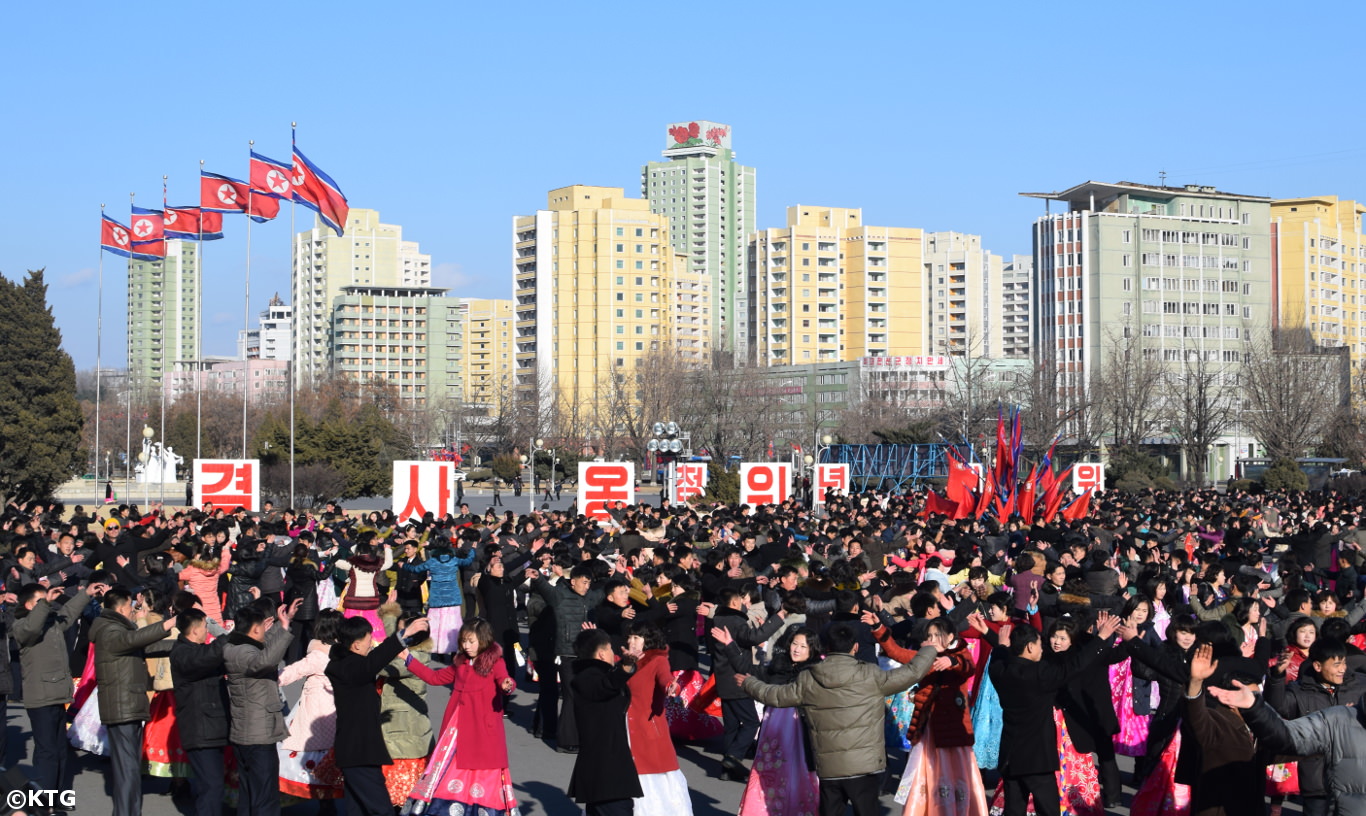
<point>313,722</point>
<point>204,584</point>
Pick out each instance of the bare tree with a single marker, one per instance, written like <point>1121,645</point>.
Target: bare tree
<point>1127,391</point>
<point>1292,390</point>
<point>1200,408</point>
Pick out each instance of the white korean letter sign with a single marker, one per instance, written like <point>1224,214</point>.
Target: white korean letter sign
<point>228,483</point>
<point>831,476</point>
<point>765,482</point>
<point>1088,476</point>
<point>690,479</point>
<point>422,487</point>
<point>603,483</point>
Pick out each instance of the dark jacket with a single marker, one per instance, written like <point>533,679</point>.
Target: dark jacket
<point>1221,763</point>
<point>121,666</point>
<point>1029,740</point>
<point>1168,666</point>
<point>201,694</point>
<point>571,611</point>
<point>1086,701</point>
<point>680,631</point>
<point>246,574</point>
<point>360,735</point>
<point>729,662</point>
<point>43,654</point>
<point>301,581</point>
<point>1302,698</point>
<point>605,771</point>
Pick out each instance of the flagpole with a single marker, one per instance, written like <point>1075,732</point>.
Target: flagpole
<point>99,348</point>
<point>161,494</point>
<point>199,329</point>
<point>246,306</point>
<point>128,389</point>
<point>294,315</point>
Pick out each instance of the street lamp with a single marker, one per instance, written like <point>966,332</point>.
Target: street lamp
<point>669,443</point>
<point>145,458</point>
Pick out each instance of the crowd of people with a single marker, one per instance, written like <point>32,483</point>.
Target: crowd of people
<point>1216,638</point>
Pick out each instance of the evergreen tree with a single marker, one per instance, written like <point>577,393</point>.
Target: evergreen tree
<point>40,419</point>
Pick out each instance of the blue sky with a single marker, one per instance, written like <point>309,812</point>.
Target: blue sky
<point>452,118</point>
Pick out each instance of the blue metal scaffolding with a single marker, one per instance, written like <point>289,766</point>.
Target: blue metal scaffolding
<point>894,468</point>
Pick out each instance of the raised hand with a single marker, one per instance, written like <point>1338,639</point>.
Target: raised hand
<point>1003,636</point>
<point>1106,624</point>
<point>721,635</point>
<point>1240,696</point>
<point>1203,664</point>
<point>870,618</point>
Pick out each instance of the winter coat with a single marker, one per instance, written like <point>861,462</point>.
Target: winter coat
<point>680,631</point>
<point>1169,667</point>
<point>604,770</point>
<point>201,694</point>
<point>1337,733</point>
<point>729,662</point>
<point>475,708</point>
<point>443,566</point>
<point>360,735</point>
<point>313,726</point>
<point>1027,688</point>
<point>842,701</point>
<point>253,670</point>
<point>202,579</point>
<point>1221,763</point>
<point>44,658</point>
<point>1302,698</point>
<point>571,611</point>
<point>246,574</point>
<point>651,746</point>
<point>1086,700</point>
<point>121,666</point>
<point>403,713</point>
<point>301,581</point>
<point>497,600</point>
<point>941,702</point>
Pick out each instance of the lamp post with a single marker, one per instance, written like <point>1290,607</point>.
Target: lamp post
<point>145,457</point>
<point>823,444</point>
<point>537,445</point>
<point>670,441</point>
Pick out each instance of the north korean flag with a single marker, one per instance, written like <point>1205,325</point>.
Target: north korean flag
<point>148,225</point>
<point>219,193</point>
<point>115,237</point>
<point>270,177</point>
<point>193,224</point>
<point>316,190</point>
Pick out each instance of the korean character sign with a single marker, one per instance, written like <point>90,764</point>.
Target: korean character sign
<point>603,483</point>
<point>831,476</point>
<point>765,482</point>
<point>1088,476</point>
<point>228,483</point>
<point>690,479</point>
<point>423,487</point>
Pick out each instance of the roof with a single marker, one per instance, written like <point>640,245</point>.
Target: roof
<point>1085,191</point>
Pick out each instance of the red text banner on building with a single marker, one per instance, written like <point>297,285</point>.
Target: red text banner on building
<point>831,476</point>
<point>690,479</point>
<point>602,484</point>
<point>228,483</point>
<point>1088,476</point>
<point>765,482</point>
<point>423,487</point>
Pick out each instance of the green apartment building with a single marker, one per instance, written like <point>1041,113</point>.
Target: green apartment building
<point>709,200</point>
<point>163,305</point>
<point>410,337</point>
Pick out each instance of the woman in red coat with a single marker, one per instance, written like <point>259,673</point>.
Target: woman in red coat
<point>941,777</point>
<point>469,768</point>
<point>664,788</point>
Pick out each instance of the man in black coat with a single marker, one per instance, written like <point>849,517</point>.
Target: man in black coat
<point>1027,686</point>
<point>739,717</point>
<point>201,704</point>
<point>355,662</point>
<point>605,779</point>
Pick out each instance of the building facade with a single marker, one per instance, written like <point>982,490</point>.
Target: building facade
<point>708,199</point>
<point>1320,270</point>
<point>1017,276</point>
<point>964,284</point>
<point>271,338</point>
<point>407,337</point>
<point>163,307</point>
<point>594,292</point>
<point>828,289</point>
<point>370,254</point>
<point>260,379</point>
<point>488,350</point>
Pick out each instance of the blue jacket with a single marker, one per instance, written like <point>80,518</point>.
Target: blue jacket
<point>444,571</point>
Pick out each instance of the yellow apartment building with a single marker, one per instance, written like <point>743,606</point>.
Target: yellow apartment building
<point>488,350</point>
<point>1319,270</point>
<point>827,288</point>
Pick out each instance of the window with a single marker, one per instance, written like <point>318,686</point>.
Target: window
<point>1128,282</point>
<point>620,265</point>
<point>1128,260</point>
<point>621,312</point>
<point>1127,309</point>
<point>620,231</point>
<point>1128,236</point>
<point>640,264</point>
<point>621,247</point>
<point>621,295</point>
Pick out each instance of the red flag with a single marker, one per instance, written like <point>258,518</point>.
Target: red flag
<point>1007,509</point>
<point>223,194</point>
<point>984,500</point>
<point>1078,508</point>
<point>270,177</point>
<point>316,190</point>
<point>934,504</point>
<point>1026,501</point>
<point>192,223</point>
<point>147,225</point>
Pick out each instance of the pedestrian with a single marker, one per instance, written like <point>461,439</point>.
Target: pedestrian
<point>605,780</point>
<point>362,590</point>
<point>738,715</point>
<point>251,661</point>
<point>1224,748</point>
<point>356,662</point>
<point>308,769</point>
<point>783,781</point>
<point>201,704</point>
<point>40,630</point>
<point>442,566</point>
<point>842,702</point>
<point>571,601</point>
<point>403,711</point>
<point>665,789</point>
<point>497,502</point>
<point>468,770</point>
<point>302,577</point>
<point>121,674</point>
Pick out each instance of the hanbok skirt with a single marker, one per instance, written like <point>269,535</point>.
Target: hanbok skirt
<point>371,615</point>
<point>1160,794</point>
<point>686,723</point>
<point>941,781</point>
<point>445,629</point>
<point>87,732</point>
<point>665,794</point>
<point>986,724</point>
<point>162,754</point>
<point>446,790</point>
<point>1078,782</point>
<point>309,774</point>
<point>1132,739</point>
<point>780,782</point>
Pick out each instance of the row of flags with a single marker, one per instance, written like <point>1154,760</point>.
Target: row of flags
<point>268,183</point>
<point>975,490</point>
